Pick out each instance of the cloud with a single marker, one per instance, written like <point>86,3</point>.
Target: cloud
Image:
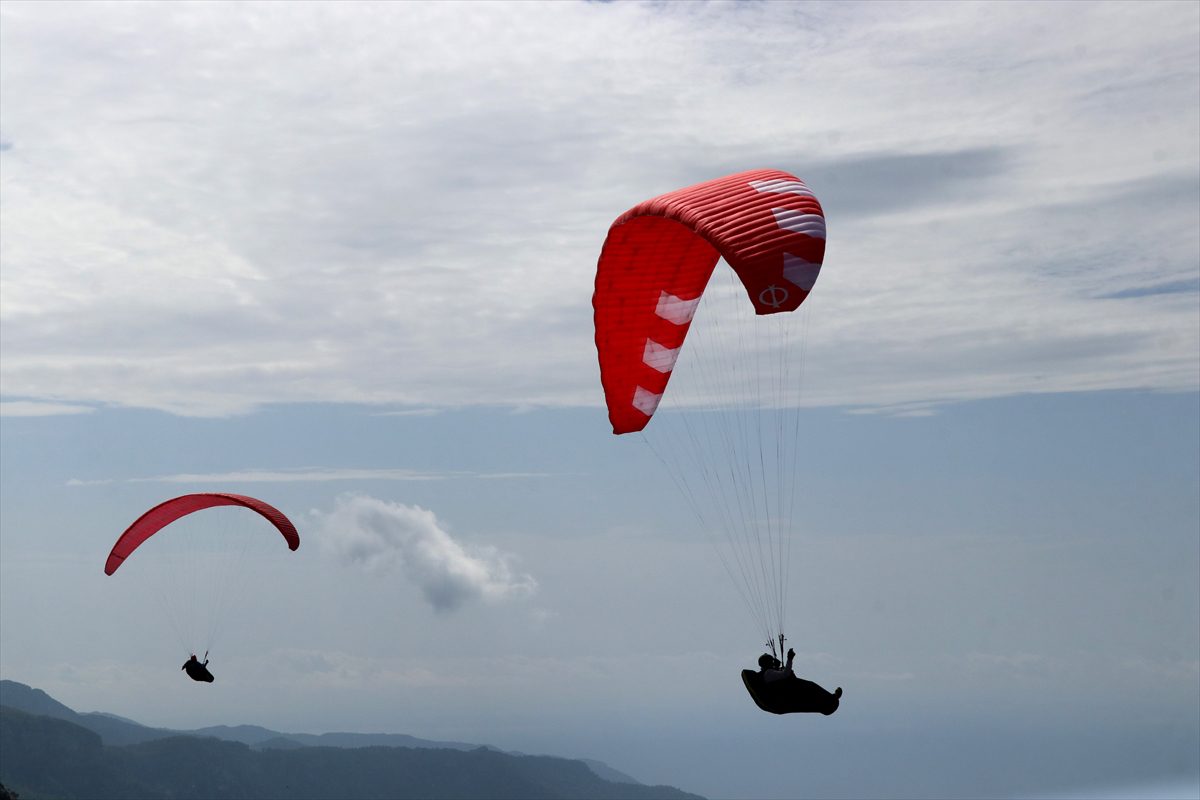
<point>251,212</point>
<point>314,475</point>
<point>411,412</point>
<point>1185,788</point>
<point>310,474</point>
<point>1186,286</point>
<point>27,408</point>
<point>392,537</point>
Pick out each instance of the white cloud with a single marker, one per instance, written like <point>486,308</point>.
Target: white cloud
<point>1162,789</point>
<point>386,537</point>
<point>298,475</point>
<point>270,205</point>
<point>314,475</point>
<point>411,412</point>
<point>26,408</point>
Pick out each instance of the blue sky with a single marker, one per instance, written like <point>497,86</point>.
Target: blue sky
<point>340,257</point>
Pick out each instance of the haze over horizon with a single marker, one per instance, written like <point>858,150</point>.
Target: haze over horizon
<point>340,256</point>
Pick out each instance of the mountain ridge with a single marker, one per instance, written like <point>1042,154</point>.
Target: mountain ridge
<point>50,757</point>
<point>114,733</point>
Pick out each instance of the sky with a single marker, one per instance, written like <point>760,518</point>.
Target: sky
<point>340,256</point>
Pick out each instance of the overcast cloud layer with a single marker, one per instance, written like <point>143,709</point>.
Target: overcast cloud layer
<point>208,207</point>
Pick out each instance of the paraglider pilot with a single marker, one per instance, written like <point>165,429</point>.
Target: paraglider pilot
<point>771,670</point>
<point>197,671</point>
<point>775,688</point>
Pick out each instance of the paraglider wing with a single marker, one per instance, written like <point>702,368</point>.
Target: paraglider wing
<point>657,260</point>
<point>729,438</point>
<point>164,514</point>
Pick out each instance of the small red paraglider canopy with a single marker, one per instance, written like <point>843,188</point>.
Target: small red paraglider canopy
<point>164,514</point>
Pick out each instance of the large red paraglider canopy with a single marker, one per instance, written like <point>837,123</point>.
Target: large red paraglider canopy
<point>658,258</point>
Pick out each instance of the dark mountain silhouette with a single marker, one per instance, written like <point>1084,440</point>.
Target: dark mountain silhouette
<point>35,701</point>
<point>256,736</point>
<point>280,743</point>
<point>112,729</point>
<point>49,750</point>
<point>116,730</point>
